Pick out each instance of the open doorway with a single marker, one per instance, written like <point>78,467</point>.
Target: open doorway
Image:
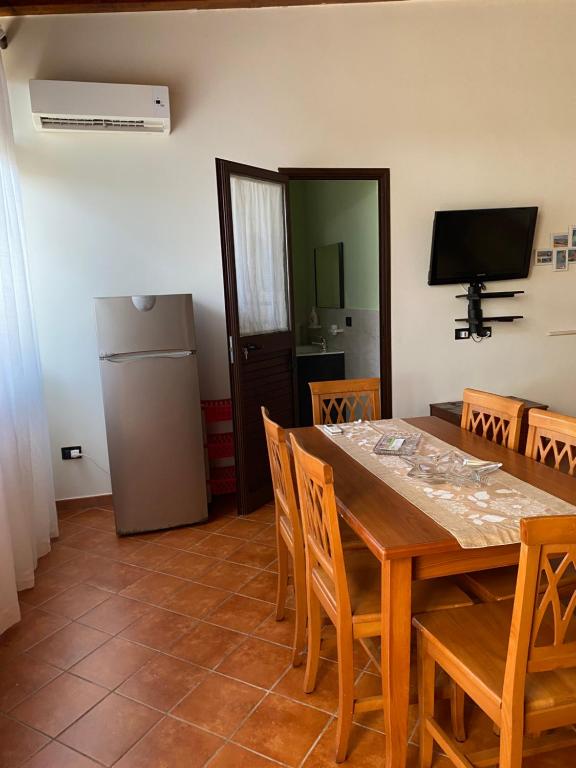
<point>335,282</point>
<point>263,325</point>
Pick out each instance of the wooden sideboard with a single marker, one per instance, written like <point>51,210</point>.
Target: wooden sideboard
<point>452,412</point>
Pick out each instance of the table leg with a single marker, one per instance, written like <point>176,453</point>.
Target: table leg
<point>396,624</point>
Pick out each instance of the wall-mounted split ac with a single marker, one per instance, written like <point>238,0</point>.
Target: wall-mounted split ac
<point>60,105</point>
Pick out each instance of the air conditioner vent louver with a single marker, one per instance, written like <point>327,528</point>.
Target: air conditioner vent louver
<point>74,122</point>
<point>99,107</point>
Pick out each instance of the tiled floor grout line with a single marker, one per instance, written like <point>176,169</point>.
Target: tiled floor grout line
<point>213,670</point>
<point>114,690</point>
<point>56,738</point>
<point>165,713</point>
<point>47,637</point>
<point>150,570</point>
<point>258,703</point>
<point>118,634</point>
<point>331,719</point>
<point>205,618</point>
<point>169,712</point>
<point>185,580</point>
<point>193,529</point>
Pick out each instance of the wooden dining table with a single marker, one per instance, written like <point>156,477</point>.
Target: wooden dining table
<point>411,546</point>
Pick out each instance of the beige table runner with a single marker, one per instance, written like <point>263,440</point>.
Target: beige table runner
<point>483,516</point>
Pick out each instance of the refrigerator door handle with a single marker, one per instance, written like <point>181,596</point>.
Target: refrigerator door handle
<point>126,357</point>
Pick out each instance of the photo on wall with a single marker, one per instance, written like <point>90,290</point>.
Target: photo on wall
<point>560,259</point>
<point>560,240</point>
<point>572,238</point>
<point>545,256</point>
<point>571,255</point>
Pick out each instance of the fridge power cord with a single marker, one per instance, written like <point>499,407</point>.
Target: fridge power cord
<point>101,468</point>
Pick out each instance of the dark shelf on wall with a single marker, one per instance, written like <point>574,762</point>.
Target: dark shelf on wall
<point>475,318</point>
<point>494,295</point>
<point>500,319</point>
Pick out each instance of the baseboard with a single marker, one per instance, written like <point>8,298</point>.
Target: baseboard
<point>84,502</point>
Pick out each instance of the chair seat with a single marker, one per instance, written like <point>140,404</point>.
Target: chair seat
<point>498,584</point>
<point>492,585</point>
<point>475,639</point>
<point>363,575</point>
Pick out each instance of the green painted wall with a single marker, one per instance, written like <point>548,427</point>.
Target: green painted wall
<point>324,212</point>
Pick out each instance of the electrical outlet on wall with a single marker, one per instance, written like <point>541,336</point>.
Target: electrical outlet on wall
<point>71,452</point>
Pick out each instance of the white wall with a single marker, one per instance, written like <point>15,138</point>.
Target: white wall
<point>469,102</point>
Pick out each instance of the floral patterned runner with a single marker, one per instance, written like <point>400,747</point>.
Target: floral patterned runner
<point>484,516</point>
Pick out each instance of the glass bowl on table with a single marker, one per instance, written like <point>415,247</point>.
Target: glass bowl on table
<point>451,468</point>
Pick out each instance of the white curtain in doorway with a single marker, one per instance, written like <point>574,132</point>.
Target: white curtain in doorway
<point>259,219</point>
<point>27,507</point>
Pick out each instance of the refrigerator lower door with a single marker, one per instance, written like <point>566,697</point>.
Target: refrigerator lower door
<point>154,431</point>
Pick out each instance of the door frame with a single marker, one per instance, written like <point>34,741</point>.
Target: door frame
<point>382,176</point>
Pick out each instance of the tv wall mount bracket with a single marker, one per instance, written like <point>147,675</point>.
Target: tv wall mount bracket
<point>476,319</point>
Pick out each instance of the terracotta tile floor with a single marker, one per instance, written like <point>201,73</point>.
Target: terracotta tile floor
<point>161,651</point>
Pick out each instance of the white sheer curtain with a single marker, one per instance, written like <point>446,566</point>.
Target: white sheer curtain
<point>27,507</point>
<point>260,255</point>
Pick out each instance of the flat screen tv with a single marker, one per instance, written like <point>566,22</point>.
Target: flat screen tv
<point>487,244</point>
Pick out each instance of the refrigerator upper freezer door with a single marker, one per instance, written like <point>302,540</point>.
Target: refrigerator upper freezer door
<point>154,431</point>
<point>145,323</point>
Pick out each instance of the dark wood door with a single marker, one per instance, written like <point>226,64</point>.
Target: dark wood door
<point>254,230</point>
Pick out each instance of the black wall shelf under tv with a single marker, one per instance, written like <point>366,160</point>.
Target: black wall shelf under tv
<point>476,317</point>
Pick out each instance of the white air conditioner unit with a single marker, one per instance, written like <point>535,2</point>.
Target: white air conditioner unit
<point>60,105</point>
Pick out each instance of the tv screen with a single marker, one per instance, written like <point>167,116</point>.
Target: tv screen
<point>474,246</point>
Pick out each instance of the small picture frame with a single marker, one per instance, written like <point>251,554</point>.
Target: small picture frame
<point>560,259</point>
<point>544,256</point>
<point>560,240</point>
<point>572,237</point>
<point>571,255</point>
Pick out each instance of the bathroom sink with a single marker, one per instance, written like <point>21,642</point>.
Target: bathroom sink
<point>312,349</point>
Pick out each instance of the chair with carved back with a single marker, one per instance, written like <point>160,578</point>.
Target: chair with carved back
<point>498,419</point>
<point>515,659</point>
<point>346,584</point>
<point>551,441</point>
<point>289,541</point>
<point>494,417</point>
<point>336,402</point>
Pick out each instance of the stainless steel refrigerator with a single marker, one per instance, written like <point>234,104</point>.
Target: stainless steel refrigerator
<point>149,377</point>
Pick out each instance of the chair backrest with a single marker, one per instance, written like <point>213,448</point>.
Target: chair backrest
<point>282,479</point>
<point>552,439</point>
<point>494,417</point>
<point>322,540</point>
<point>543,631</point>
<point>335,402</point>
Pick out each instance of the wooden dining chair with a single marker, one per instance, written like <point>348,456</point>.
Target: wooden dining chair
<point>552,441</point>
<point>515,659</point>
<point>494,417</point>
<point>346,584</point>
<point>336,402</point>
<point>498,419</point>
<point>289,540</point>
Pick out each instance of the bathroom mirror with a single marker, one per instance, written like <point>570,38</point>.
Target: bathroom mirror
<point>329,275</point>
